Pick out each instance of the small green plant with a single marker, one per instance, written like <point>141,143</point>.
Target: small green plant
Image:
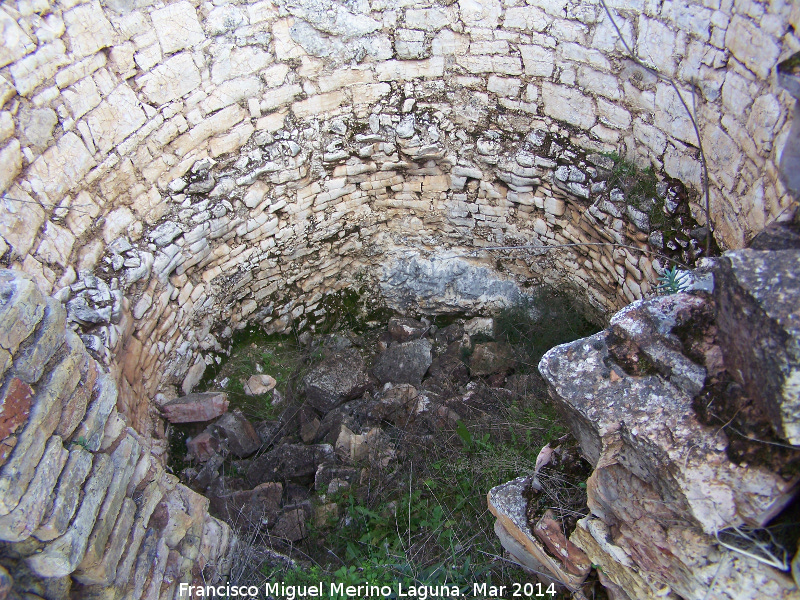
<point>672,281</point>
<point>82,442</point>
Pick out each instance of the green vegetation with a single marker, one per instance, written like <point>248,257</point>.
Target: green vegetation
<point>671,281</point>
<point>639,187</point>
<point>427,522</point>
<point>541,321</point>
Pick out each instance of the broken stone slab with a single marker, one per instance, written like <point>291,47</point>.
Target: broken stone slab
<point>649,425</point>
<point>480,326</point>
<point>73,409</point>
<point>291,525</point>
<point>195,408</point>
<point>202,446</point>
<point>490,358</point>
<point>327,473</point>
<point>22,306</point>
<point>254,508</point>
<point>645,532</point>
<point>548,530</point>
<point>259,384</point>
<point>593,536</point>
<point>518,553</point>
<point>340,377</point>
<point>237,433</point>
<point>289,461</point>
<point>648,325</point>
<point>509,506</point>
<point>403,329</point>
<point>406,362</point>
<point>759,330</point>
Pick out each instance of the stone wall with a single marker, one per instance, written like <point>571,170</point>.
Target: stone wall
<point>172,171</point>
<point>86,507</point>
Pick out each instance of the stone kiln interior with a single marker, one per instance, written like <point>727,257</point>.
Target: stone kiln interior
<point>172,171</point>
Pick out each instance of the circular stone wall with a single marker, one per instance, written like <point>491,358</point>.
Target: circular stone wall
<point>173,171</point>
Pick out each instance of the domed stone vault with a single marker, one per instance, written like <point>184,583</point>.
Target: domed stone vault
<point>174,171</point>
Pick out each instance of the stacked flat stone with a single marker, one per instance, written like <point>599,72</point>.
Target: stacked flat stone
<point>83,500</point>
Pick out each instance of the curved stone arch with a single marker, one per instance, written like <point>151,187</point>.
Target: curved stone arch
<point>142,176</point>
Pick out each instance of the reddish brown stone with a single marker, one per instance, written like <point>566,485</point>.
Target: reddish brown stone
<point>14,410</point>
<point>548,530</point>
<point>196,407</point>
<point>203,446</point>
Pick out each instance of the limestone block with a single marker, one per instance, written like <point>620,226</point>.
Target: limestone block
<point>222,19</point>
<point>22,307</point>
<point>447,43</point>
<point>16,42</point>
<point>757,321</point>
<point>36,127</point>
<point>196,407</point>
<point>82,97</point>
<point>238,62</point>
<point>60,168</point>
<point>538,61</point>
<point>483,13</point>
<point>57,519</point>
<point>568,104</point>
<point>56,244</point>
<point>397,70</point>
<point>33,70</point>
<point>182,508</point>
<point>232,141</point>
<point>333,18</point>
<point>119,115</point>
<point>285,46</point>
<point>46,410</point>
<point>232,91</point>
<point>369,93</point>
<point>655,45</point>
<point>18,525</point>
<point>319,104</point>
<point>33,355</point>
<point>752,46</point>
<point>724,155</point>
<point>429,19</point>
<point>764,116</point>
<point>671,117</point>
<point>508,65</point>
<point>280,96</point>
<point>170,80</point>
<point>612,114</point>
<point>600,83</point>
<point>650,136</point>
<point>10,166</point>
<point>88,30</point>
<point>220,121</point>
<point>526,18</point>
<point>79,70</point>
<point>177,27</point>
<point>6,125</point>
